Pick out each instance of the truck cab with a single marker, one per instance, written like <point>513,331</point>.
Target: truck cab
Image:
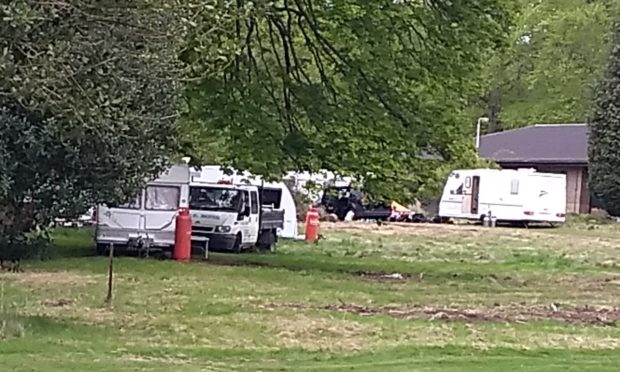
<point>232,217</point>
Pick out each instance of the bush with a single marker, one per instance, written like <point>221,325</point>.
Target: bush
<point>605,136</point>
<point>93,120</point>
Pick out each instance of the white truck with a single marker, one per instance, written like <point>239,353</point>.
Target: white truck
<point>148,222</point>
<point>274,193</point>
<point>234,217</point>
<point>522,196</point>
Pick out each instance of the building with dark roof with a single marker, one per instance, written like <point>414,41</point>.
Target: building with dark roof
<point>555,148</point>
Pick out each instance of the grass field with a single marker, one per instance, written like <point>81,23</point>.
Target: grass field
<point>366,298</point>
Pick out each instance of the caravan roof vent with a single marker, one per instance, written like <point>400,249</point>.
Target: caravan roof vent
<point>527,170</point>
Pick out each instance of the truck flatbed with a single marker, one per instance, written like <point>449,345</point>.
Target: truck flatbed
<point>271,219</point>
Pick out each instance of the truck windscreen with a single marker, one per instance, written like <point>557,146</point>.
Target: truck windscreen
<point>215,198</point>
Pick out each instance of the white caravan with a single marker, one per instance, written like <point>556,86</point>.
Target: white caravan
<point>522,195</point>
<point>149,221</point>
<point>276,194</point>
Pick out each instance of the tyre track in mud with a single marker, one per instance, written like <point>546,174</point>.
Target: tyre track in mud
<point>600,316</point>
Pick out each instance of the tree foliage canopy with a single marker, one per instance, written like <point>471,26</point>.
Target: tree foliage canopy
<point>557,51</point>
<point>88,104</point>
<point>358,87</point>
<point>604,156</point>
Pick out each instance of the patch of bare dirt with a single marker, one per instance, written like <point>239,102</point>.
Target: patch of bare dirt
<point>601,316</point>
<point>321,333</point>
<point>59,278</point>
<point>70,309</point>
<point>61,302</point>
<point>374,276</point>
<point>417,229</point>
<point>156,359</point>
<point>220,262</point>
<point>382,276</point>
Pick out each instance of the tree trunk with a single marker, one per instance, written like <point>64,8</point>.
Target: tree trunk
<point>494,109</point>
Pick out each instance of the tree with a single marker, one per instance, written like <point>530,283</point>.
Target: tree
<point>557,50</point>
<point>604,157</point>
<point>367,89</point>
<point>88,106</point>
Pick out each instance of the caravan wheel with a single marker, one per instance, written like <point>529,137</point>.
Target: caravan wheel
<point>102,249</point>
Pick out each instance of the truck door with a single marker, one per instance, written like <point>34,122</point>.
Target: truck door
<point>254,227</point>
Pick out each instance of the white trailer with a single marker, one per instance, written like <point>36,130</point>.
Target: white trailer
<point>149,221</point>
<point>522,195</point>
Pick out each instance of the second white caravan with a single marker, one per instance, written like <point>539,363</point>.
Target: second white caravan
<point>522,195</point>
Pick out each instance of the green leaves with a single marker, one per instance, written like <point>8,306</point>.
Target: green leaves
<point>556,53</point>
<point>604,156</point>
<point>355,87</point>
<point>89,98</point>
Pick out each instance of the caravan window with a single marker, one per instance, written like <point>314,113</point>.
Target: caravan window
<point>514,187</point>
<point>162,198</point>
<point>133,204</point>
<point>459,190</point>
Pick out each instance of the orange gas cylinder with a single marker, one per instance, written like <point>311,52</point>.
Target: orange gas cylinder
<point>183,236</point>
<point>312,225</point>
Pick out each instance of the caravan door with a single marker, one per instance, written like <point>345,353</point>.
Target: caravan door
<point>466,190</point>
<point>475,195</point>
<point>471,195</point>
<point>161,204</point>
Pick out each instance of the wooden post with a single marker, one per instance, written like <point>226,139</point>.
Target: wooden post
<point>108,299</point>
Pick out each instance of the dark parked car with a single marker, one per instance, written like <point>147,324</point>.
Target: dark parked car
<point>341,200</point>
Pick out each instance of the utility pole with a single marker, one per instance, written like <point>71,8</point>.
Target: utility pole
<point>482,120</point>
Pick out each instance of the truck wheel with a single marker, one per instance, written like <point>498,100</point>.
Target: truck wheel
<point>267,241</point>
<point>237,244</point>
<point>274,242</point>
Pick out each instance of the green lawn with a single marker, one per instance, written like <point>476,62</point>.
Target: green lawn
<point>366,298</point>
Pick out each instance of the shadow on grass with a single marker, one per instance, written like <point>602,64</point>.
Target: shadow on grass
<point>301,257</point>
<point>72,242</point>
<point>385,269</point>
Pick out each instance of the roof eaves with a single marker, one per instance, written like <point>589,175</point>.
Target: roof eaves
<point>541,161</point>
<point>531,127</point>
<point>505,132</point>
<point>561,125</point>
